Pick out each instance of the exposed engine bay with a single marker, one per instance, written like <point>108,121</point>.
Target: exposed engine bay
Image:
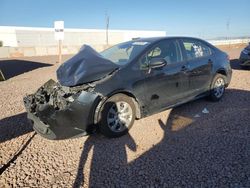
<point>63,108</point>
<point>53,94</point>
<point>58,111</point>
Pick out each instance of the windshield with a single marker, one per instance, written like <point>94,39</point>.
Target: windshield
<point>123,53</point>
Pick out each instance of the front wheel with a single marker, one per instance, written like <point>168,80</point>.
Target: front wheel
<point>117,116</point>
<point>217,87</point>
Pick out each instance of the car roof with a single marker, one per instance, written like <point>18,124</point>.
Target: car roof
<point>155,39</point>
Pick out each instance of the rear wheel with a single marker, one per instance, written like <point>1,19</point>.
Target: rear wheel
<point>218,87</point>
<point>117,116</point>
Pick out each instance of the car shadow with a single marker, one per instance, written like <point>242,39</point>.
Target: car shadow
<point>14,67</point>
<point>104,163</point>
<point>14,126</point>
<point>197,149</point>
<point>235,64</point>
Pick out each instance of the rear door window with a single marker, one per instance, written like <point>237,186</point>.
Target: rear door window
<point>196,49</point>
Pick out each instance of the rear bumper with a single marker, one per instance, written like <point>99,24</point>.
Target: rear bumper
<point>72,121</point>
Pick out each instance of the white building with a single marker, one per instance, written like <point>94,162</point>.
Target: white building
<point>32,41</point>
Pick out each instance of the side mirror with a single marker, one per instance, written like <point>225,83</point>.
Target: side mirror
<point>157,63</point>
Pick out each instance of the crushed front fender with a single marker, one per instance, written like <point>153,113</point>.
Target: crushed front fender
<point>60,113</point>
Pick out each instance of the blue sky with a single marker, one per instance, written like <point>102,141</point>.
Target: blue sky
<point>205,19</point>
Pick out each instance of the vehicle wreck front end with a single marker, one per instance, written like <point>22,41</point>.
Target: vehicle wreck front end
<point>66,109</point>
<point>59,112</point>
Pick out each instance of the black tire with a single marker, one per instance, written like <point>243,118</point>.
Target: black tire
<point>216,93</point>
<point>118,127</point>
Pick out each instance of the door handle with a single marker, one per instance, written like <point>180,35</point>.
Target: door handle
<point>184,68</point>
<point>210,62</point>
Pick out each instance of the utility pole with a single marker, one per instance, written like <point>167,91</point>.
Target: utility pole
<point>228,27</point>
<point>107,29</point>
<point>59,36</point>
<point>60,52</point>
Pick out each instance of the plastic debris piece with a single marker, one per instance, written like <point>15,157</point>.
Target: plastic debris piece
<point>205,111</point>
<point>197,115</point>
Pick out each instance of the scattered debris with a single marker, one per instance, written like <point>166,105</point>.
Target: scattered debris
<point>205,111</point>
<point>197,115</point>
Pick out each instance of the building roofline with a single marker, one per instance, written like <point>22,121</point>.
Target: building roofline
<point>72,29</point>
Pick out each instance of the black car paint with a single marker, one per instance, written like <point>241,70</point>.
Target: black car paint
<point>163,81</point>
<point>84,67</point>
<point>169,86</point>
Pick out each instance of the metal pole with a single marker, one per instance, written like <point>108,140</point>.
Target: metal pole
<point>2,78</point>
<point>107,28</point>
<point>228,27</point>
<point>60,52</point>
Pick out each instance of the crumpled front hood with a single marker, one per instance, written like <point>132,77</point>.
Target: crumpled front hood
<point>86,66</point>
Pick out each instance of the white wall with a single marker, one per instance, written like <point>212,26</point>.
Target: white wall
<point>35,41</point>
<point>37,37</point>
<point>8,36</point>
<point>229,41</point>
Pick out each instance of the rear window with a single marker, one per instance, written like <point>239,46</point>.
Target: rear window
<point>196,49</point>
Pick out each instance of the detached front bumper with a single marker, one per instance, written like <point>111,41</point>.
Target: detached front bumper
<point>72,120</point>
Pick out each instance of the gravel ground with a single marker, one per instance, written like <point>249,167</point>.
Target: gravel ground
<point>170,149</point>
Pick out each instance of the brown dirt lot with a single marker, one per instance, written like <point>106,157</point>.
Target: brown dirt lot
<point>171,148</point>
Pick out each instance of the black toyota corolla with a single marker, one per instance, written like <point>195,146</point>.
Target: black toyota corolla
<point>128,81</point>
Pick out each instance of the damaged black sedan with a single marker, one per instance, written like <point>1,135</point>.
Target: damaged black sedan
<point>128,81</point>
